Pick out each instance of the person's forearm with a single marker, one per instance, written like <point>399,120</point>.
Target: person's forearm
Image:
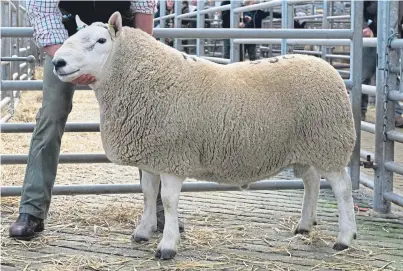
<point>144,22</point>
<point>46,20</point>
<point>51,49</point>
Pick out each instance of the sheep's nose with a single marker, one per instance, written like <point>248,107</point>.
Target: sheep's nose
<point>59,63</point>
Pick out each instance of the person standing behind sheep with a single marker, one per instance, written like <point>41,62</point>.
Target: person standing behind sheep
<point>369,58</point>
<point>253,19</point>
<point>50,31</point>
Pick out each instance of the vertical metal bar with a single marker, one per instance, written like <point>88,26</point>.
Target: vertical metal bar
<point>177,23</point>
<point>235,17</point>
<point>284,25</point>
<point>163,12</point>
<point>325,25</point>
<point>401,67</point>
<point>271,27</point>
<point>356,77</point>
<point>14,8</point>
<point>290,24</point>
<point>200,24</point>
<point>5,44</point>
<point>331,26</point>
<point>3,23</point>
<point>401,49</point>
<point>385,109</point>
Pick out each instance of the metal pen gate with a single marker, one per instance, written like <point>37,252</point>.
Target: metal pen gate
<point>386,89</point>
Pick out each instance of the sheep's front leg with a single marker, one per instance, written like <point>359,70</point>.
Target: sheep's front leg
<point>150,185</point>
<point>170,190</point>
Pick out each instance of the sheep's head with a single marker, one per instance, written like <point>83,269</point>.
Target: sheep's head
<point>87,51</point>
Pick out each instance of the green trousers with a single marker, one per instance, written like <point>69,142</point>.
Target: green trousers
<point>43,157</point>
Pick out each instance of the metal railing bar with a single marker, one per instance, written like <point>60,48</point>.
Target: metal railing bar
<point>370,90</point>
<point>368,42</point>
<point>218,33</point>
<point>71,158</point>
<point>338,56</point>
<point>330,18</point>
<point>338,17</point>
<point>165,17</point>
<point>271,4</point>
<point>368,127</point>
<point>6,118</point>
<point>30,59</point>
<point>394,167</point>
<point>271,184</point>
<point>366,181</point>
<point>204,11</point>
<point>393,197</point>
<point>5,102</point>
<point>395,95</point>
<point>395,136</point>
<point>35,85</point>
<point>29,127</point>
<point>29,85</point>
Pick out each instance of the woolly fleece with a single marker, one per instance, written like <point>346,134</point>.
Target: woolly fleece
<point>164,111</point>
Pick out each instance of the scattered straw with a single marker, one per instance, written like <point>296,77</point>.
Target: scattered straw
<point>76,225</point>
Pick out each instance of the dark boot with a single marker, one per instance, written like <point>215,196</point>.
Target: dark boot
<point>161,215</point>
<point>161,222</point>
<point>399,122</point>
<point>26,227</point>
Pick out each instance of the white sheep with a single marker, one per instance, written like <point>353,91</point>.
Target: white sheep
<point>184,117</point>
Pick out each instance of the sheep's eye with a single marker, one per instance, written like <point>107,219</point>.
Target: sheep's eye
<point>102,40</point>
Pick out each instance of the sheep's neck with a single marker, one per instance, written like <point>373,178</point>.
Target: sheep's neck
<point>138,65</point>
<point>138,78</point>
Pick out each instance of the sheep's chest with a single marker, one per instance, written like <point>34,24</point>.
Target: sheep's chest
<point>116,135</point>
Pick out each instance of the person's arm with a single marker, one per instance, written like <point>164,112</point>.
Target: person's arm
<point>49,31</point>
<point>46,20</point>
<point>186,21</point>
<point>144,14</point>
<point>265,14</point>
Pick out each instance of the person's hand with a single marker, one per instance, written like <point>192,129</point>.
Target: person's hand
<point>241,25</point>
<point>248,19</point>
<point>367,32</point>
<point>84,79</point>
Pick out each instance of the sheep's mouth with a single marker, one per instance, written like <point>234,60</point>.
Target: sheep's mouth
<point>67,74</point>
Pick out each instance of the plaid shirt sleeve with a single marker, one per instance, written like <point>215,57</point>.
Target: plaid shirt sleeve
<point>144,6</point>
<point>46,20</point>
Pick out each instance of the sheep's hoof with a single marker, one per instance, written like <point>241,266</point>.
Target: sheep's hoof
<point>340,247</point>
<point>315,223</point>
<point>301,231</point>
<point>166,254</point>
<point>139,239</point>
<point>355,236</point>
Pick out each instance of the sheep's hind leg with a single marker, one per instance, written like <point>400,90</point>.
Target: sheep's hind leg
<point>150,185</point>
<point>341,186</point>
<point>311,180</point>
<point>170,192</point>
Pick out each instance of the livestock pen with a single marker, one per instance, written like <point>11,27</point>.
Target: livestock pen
<point>97,204</point>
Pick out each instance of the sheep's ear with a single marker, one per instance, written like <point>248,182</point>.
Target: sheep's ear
<point>80,24</point>
<point>116,21</point>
